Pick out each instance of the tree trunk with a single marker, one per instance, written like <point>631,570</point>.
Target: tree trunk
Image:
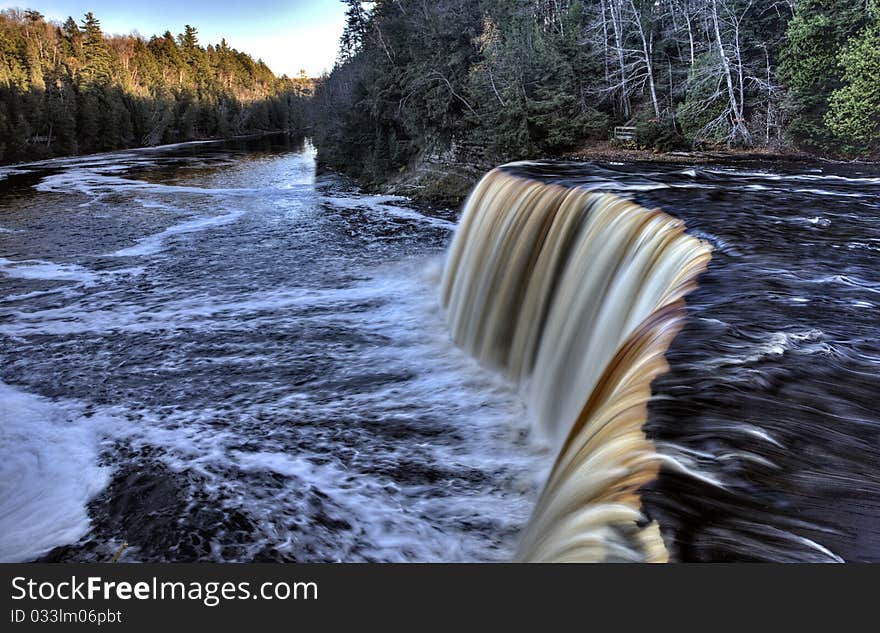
<point>739,126</point>
<point>618,41</point>
<point>646,52</point>
<point>687,19</point>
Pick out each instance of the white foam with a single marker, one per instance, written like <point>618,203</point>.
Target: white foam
<point>717,242</point>
<point>381,204</point>
<point>106,159</point>
<point>393,517</point>
<point>48,473</point>
<point>154,243</point>
<point>852,281</point>
<point>146,203</point>
<point>612,185</point>
<point>394,523</point>
<point>775,345</point>
<point>190,313</point>
<point>689,462</point>
<point>91,181</point>
<point>394,532</point>
<point>10,171</point>
<point>30,295</point>
<point>768,175</point>
<point>824,192</point>
<point>39,269</point>
<point>726,171</point>
<point>833,178</point>
<point>395,520</point>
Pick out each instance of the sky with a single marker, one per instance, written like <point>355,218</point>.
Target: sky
<point>288,35</point>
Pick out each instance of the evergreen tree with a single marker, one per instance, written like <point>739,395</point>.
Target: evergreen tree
<point>97,67</point>
<point>854,113</point>
<point>810,64</point>
<point>67,89</point>
<point>355,29</point>
<point>189,40</point>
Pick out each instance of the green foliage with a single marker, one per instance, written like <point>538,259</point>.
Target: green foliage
<point>70,88</point>
<point>854,114</point>
<point>495,80</point>
<point>557,116</point>
<point>702,113</point>
<point>399,89</point>
<point>810,65</point>
<point>659,135</point>
<point>415,78</point>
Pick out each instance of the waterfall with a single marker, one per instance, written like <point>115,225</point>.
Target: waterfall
<point>575,296</point>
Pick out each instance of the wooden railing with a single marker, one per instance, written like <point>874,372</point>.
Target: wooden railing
<point>624,133</point>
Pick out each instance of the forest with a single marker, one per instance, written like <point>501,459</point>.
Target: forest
<point>473,80</point>
<point>507,79</point>
<point>72,89</point>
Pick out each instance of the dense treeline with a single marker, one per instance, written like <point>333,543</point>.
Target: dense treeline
<point>516,78</point>
<point>69,88</point>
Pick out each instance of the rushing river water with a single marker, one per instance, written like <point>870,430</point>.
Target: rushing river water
<point>209,352</point>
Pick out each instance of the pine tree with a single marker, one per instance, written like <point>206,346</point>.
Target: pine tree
<point>854,113</point>
<point>189,40</point>
<point>66,89</point>
<point>97,68</point>
<point>72,39</point>
<point>355,29</point>
<point>810,64</point>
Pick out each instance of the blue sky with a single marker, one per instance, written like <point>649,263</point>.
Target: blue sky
<point>287,34</point>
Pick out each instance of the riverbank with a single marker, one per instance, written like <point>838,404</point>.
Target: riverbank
<point>445,180</point>
<point>194,141</point>
<point>609,151</point>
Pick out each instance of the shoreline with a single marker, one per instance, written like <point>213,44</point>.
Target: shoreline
<point>608,151</point>
<point>196,141</point>
<point>444,182</point>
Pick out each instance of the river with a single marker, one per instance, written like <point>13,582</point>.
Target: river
<point>212,352</point>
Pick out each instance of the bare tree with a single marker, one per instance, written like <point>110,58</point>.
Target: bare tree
<point>646,57</point>
<point>626,50</point>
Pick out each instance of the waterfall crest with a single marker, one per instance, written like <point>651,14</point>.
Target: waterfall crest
<point>575,296</point>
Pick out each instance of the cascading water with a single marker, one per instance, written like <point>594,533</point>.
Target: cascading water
<point>575,296</point>
<point>213,353</point>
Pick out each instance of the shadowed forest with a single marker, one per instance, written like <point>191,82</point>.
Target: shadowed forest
<point>511,79</point>
<point>470,80</point>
